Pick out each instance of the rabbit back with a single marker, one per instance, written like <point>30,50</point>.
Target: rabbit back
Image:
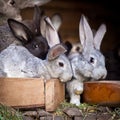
<point>6,37</point>
<point>17,61</point>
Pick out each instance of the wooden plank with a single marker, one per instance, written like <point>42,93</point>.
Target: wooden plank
<point>22,92</point>
<point>54,94</point>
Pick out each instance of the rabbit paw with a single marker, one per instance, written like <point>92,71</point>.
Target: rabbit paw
<point>75,101</point>
<point>78,92</point>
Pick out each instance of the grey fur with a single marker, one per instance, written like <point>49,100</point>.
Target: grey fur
<point>17,61</point>
<point>89,64</point>
<point>12,8</point>
<point>26,33</point>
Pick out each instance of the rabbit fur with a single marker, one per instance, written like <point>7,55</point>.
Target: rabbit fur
<point>12,8</point>
<point>26,33</point>
<point>17,61</point>
<point>89,64</point>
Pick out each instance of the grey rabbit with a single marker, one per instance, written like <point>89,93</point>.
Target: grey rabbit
<point>88,64</point>
<point>17,61</point>
<point>26,32</point>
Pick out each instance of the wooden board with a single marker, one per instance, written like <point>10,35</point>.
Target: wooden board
<point>19,92</point>
<point>55,94</point>
<point>31,93</point>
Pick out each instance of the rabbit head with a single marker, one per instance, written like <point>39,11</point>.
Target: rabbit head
<point>58,64</point>
<point>73,47</point>
<point>91,48</point>
<point>88,62</point>
<point>11,8</point>
<point>61,66</point>
<point>29,34</point>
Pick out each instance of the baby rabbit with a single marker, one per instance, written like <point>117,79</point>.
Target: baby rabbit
<point>89,64</point>
<point>17,61</point>
<point>25,32</point>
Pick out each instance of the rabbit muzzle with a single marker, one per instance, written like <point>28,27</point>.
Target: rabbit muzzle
<point>66,77</point>
<point>99,73</point>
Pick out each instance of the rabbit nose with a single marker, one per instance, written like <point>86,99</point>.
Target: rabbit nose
<point>103,77</point>
<point>73,78</point>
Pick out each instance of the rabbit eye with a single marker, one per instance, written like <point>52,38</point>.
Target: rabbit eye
<point>61,64</point>
<point>36,46</point>
<point>92,60</point>
<point>78,49</point>
<point>12,2</point>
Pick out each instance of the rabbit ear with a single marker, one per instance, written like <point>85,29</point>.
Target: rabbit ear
<point>99,36</point>
<point>43,27</point>
<point>51,33</point>
<point>30,3</point>
<point>68,46</point>
<point>85,33</point>
<point>20,31</point>
<point>56,20</point>
<point>37,18</point>
<point>56,51</point>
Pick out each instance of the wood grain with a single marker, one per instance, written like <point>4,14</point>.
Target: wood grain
<point>19,92</point>
<point>55,94</point>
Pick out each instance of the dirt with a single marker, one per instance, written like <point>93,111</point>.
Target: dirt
<point>68,111</point>
<point>65,111</point>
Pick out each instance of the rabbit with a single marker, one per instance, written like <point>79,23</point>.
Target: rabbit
<point>26,33</point>
<point>73,47</point>
<point>12,8</point>
<point>89,64</point>
<point>17,61</point>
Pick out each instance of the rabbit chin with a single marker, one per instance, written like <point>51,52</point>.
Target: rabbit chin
<point>64,80</point>
<point>99,74</point>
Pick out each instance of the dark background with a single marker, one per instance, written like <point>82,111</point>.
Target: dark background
<point>97,12</point>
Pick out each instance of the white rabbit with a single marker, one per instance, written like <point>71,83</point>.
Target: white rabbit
<point>89,64</point>
<point>17,61</point>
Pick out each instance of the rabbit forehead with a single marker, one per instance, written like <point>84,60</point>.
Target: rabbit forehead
<point>92,53</point>
<point>60,59</point>
<point>98,57</point>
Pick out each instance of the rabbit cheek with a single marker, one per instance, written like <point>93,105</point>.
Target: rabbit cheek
<point>65,71</point>
<point>99,73</point>
<point>61,67</point>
